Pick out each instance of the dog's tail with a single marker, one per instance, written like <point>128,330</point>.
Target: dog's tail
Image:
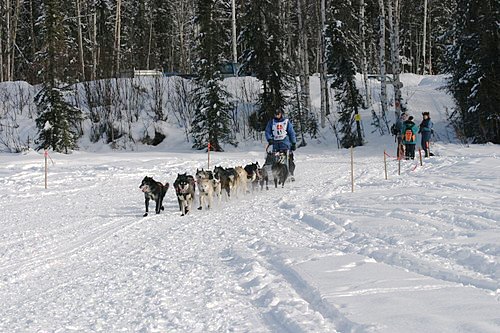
<point>166,186</point>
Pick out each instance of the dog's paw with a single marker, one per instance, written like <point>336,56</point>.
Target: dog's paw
<point>200,208</point>
<point>145,214</point>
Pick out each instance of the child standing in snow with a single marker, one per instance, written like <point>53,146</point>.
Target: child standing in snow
<point>409,138</point>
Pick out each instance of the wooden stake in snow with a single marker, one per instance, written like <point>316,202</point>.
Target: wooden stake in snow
<point>352,169</point>
<point>420,154</point>
<point>208,151</point>
<point>46,156</point>
<point>385,164</point>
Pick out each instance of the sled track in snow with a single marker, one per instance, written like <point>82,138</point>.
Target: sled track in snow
<point>458,263</point>
<point>288,302</point>
<point>65,249</point>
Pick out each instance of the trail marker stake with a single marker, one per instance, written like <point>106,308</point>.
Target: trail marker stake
<point>46,157</point>
<point>385,164</point>
<point>352,169</point>
<point>208,151</point>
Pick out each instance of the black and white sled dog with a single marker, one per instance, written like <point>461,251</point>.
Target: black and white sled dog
<point>254,174</point>
<point>280,168</point>
<point>275,166</point>
<point>184,189</point>
<point>207,187</point>
<point>153,190</point>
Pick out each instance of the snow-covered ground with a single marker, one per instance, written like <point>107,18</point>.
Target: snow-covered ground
<point>418,252</point>
<point>415,253</point>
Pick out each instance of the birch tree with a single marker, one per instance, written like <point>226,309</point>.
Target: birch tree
<point>117,36</point>
<point>11,20</point>
<point>383,73</point>
<point>80,41</point>
<point>364,65</point>
<point>325,101</point>
<point>394,14</point>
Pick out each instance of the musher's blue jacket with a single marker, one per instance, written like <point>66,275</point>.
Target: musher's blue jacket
<point>281,132</point>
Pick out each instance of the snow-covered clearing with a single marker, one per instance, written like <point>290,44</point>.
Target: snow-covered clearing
<point>419,252</point>
<point>416,253</point>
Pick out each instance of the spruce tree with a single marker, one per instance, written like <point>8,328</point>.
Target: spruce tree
<point>474,66</point>
<point>57,120</point>
<point>262,36</point>
<point>211,122</point>
<point>341,64</point>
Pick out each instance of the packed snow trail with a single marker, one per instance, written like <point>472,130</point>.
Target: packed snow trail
<point>80,257</point>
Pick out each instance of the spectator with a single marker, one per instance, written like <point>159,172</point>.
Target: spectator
<point>409,138</point>
<point>426,131</point>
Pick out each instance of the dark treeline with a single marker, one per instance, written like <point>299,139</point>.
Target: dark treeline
<point>281,42</point>
<point>100,38</point>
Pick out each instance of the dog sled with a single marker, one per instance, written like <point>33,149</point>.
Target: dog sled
<point>279,165</point>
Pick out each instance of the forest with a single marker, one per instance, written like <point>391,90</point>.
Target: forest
<point>55,44</point>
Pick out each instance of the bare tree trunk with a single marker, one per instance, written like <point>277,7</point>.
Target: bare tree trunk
<point>383,84</point>
<point>94,47</point>
<point>233,25</point>
<point>117,36</point>
<point>325,104</point>
<point>150,40</point>
<point>1,55</point>
<point>287,18</point>
<point>80,40</point>
<point>303,75</point>
<point>430,44</point>
<point>17,12</point>
<point>182,11</point>
<point>182,60</point>
<point>307,94</point>
<point>394,15</point>
<point>304,59</point>
<point>424,36</point>
<point>8,46</point>
<point>364,65</point>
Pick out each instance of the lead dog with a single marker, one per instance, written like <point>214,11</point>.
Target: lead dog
<point>184,189</point>
<point>206,188</point>
<point>153,190</point>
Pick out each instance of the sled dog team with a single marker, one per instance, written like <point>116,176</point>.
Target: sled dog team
<point>221,181</point>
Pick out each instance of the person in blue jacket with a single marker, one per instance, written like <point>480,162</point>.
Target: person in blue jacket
<point>281,136</point>
<point>398,131</point>
<point>409,137</point>
<point>425,130</point>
